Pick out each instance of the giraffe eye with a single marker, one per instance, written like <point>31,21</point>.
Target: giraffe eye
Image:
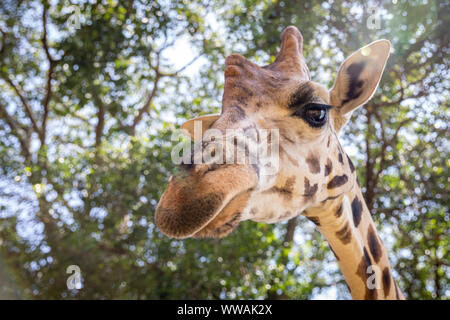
<point>315,114</point>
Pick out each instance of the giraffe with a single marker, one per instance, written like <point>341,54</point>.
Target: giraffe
<point>315,177</point>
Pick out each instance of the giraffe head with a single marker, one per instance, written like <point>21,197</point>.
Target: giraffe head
<point>210,199</point>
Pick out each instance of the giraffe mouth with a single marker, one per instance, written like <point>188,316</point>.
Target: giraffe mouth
<point>227,219</point>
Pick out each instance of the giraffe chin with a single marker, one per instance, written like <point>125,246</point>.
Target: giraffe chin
<point>226,220</point>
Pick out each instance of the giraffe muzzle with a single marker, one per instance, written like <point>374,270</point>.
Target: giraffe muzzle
<point>197,206</point>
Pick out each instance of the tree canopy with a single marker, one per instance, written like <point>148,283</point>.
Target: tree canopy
<point>91,91</point>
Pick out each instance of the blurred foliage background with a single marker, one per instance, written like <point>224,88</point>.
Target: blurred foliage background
<point>90,92</point>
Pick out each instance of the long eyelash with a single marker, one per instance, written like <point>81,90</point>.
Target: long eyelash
<point>310,106</point>
<point>318,106</point>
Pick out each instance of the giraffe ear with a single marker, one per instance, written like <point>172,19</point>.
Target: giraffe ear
<point>200,124</point>
<point>358,78</point>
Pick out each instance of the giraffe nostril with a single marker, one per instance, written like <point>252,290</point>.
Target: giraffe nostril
<point>234,59</point>
<point>232,71</point>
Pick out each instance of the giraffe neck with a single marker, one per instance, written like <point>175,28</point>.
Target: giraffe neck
<point>348,227</point>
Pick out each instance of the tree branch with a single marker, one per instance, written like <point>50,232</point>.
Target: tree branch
<point>27,107</point>
<point>175,73</point>
<point>100,125</point>
<point>290,230</point>
<point>2,49</point>
<point>14,130</point>
<point>158,75</point>
<point>51,61</point>
<point>401,125</point>
<point>145,107</point>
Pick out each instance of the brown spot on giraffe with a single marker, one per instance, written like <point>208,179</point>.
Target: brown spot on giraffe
<point>350,163</point>
<point>386,281</point>
<point>356,211</point>
<point>339,211</point>
<point>310,191</point>
<point>337,181</point>
<point>341,159</point>
<point>374,245</point>
<point>345,234</point>
<point>328,167</point>
<point>290,182</point>
<point>313,164</point>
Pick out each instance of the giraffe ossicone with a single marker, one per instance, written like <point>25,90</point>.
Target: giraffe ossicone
<point>315,177</point>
